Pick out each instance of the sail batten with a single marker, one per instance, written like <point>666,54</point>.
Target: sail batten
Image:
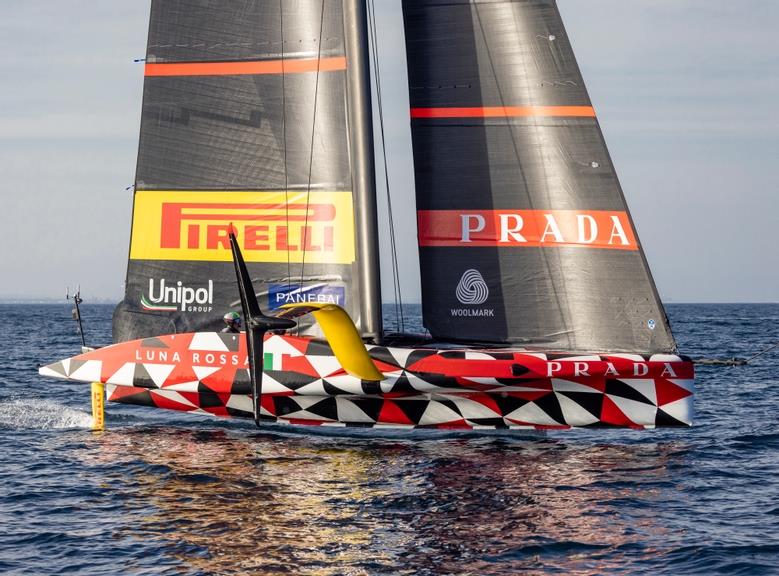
<point>517,198</point>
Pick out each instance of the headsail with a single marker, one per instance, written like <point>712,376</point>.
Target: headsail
<point>524,232</point>
<point>244,121</point>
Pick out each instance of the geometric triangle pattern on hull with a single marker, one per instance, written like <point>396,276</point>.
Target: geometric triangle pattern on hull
<point>303,383</point>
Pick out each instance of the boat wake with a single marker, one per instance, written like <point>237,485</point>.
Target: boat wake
<point>41,415</point>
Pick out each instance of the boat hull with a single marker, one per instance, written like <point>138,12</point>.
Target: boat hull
<point>303,383</point>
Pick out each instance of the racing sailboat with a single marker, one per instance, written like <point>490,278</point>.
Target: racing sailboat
<point>256,163</point>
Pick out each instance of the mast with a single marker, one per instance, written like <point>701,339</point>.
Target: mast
<point>363,167</point>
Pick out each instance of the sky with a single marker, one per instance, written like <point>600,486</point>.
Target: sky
<point>686,92</point>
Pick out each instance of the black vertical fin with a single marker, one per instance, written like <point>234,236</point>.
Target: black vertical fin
<point>257,324</point>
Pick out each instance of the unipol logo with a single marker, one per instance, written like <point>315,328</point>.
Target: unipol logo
<point>171,297</point>
<point>472,289</point>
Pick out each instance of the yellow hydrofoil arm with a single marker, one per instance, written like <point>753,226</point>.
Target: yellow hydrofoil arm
<point>342,336</point>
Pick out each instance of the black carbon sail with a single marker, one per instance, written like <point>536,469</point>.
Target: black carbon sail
<point>524,233</point>
<point>244,121</point>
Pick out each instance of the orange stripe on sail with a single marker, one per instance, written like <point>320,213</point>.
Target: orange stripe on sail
<point>505,112</point>
<point>287,66</point>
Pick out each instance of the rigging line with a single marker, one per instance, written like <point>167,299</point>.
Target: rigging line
<point>400,319</point>
<point>304,233</point>
<point>763,352</point>
<point>284,138</point>
<point>545,255</point>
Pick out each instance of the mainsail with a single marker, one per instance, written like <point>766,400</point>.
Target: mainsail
<point>244,122</point>
<point>524,233</point>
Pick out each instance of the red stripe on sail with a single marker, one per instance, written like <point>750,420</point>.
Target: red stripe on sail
<point>287,66</point>
<point>505,112</point>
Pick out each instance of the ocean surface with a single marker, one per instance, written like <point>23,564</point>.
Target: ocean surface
<point>168,493</point>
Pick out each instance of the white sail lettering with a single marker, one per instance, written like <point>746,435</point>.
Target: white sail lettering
<point>151,291</point>
<point>508,232</point>
<point>618,231</point>
<point>586,223</point>
<point>201,295</point>
<point>640,369</point>
<point>552,229</point>
<point>610,370</point>
<point>187,297</point>
<point>466,228</point>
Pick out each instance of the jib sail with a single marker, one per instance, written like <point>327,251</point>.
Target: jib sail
<point>244,123</point>
<point>524,233</point>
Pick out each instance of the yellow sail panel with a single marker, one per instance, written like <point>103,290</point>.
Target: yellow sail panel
<point>271,226</point>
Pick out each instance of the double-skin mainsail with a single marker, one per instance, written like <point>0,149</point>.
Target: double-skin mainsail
<point>245,121</point>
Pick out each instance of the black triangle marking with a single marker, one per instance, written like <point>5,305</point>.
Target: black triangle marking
<point>440,380</point>
<point>551,406</point>
<point>451,405</point>
<point>413,408</point>
<point>242,383</point>
<point>75,365</point>
<point>140,399</point>
<point>592,403</point>
<point>508,404</point>
<point>292,380</point>
<point>231,341</point>
<point>332,390</point>
<point>665,419</point>
<point>141,377</point>
<point>319,348</point>
<point>619,388</point>
<point>416,356</point>
<point>327,408</point>
<point>153,343</point>
<point>238,413</point>
<point>58,367</point>
<point>371,406</point>
<point>383,355</point>
<point>453,354</point>
<point>496,422</point>
<point>403,385</point>
<point>210,400</point>
<point>285,405</point>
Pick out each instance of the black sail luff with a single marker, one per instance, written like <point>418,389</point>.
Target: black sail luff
<point>505,139</point>
<point>227,137</point>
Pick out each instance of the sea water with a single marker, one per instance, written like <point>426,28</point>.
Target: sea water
<point>168,493</point>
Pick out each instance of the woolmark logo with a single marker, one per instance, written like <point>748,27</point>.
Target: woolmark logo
<point>169,298</point>
<point>472,289</point>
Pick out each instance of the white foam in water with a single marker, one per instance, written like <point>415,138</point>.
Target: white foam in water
<point>41,415</point>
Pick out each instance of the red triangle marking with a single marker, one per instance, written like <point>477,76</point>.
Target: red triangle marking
<point>668,392</point>
<point>611,414</point>
<point>391,414</point>
<point>454,425</point>
<point>162,402</point>
<point>485,400</point>
<point>125,391</point>
<point>267,403</point>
